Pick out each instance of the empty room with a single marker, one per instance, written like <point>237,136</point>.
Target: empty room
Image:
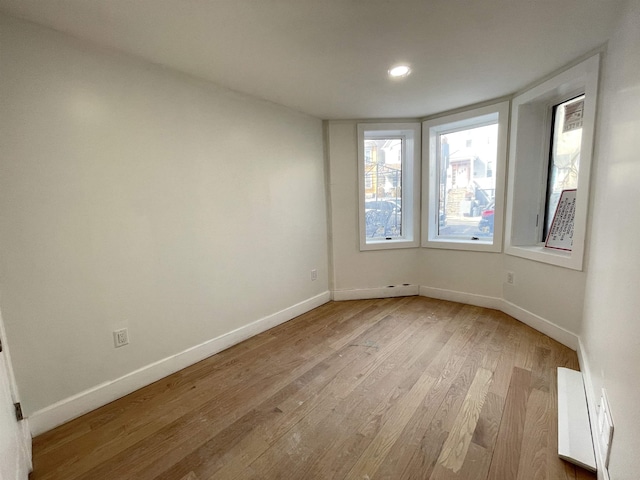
<point>295,239</point>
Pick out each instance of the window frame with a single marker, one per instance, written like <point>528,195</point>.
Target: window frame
<point>529,156</point>
<point>470,118</point>
<point>410,132</point>
<point>545,215</point>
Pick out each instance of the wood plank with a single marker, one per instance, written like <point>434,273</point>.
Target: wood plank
<point>404,450</point>
<point>533,463</point>
<point>377,450</point>
<point>190,476</point>
<point>506,455</point>
<point>456,446</point>
<point>476,464</point>
<point>434,426</point>
<point>488,423</point>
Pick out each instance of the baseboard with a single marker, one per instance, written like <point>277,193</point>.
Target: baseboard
<point>72,407</point>
<point>592,406</point>
<point>542,325</point>
<point>379,292</point>
<point>461,297</point>
<point>83,402</point>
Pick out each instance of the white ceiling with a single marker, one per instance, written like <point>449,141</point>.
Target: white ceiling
<point>329,58</point>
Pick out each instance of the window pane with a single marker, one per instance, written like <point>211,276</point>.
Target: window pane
<point>383,187</point>
<point>467,183</point>
<point>564,162</point>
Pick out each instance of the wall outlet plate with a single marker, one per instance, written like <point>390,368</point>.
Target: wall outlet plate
<point>510,278</point>
<point>605,428</point>
<point>120,337</point>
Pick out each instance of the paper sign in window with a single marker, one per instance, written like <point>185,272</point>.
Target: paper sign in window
<point>560,234</point>
<point>573,114</point>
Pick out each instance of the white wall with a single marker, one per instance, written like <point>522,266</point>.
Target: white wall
<point>477,273</point>
<point>553,293</point>
<point>352,268</point>
<point>611,327</point>
<point>133,196</point>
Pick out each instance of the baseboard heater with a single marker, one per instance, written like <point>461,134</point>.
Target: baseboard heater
<point>575,443</point>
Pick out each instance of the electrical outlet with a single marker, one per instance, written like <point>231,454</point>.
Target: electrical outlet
<point>511,278</point>
<point>314,275</point>
<point>120,337</point>
<point>605,428</point>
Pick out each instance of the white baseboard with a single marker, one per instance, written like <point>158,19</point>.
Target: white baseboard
<point>83,402</point>
<point>536,322</point>
<point>542,325</point>
<point>461,297</point>
<point>380,292</point>
<point>592,406</point>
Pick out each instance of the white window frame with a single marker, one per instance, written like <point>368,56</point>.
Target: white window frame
<point>410,132</point>
<point>531,117</point>
<point>430,182</point>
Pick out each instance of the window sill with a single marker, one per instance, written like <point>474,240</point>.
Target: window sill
<point>539,253</point>
<point>472,246</point>
<point>389,244</point>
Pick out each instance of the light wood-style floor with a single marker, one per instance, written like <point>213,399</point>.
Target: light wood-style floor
<point>409,388</point>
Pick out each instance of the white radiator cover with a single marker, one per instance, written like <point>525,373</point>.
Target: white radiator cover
<point>575,443</point>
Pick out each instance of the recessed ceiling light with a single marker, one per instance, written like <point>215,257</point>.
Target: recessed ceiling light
<point>399,71</point>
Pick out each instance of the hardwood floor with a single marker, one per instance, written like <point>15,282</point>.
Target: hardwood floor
<point>408,388</point>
